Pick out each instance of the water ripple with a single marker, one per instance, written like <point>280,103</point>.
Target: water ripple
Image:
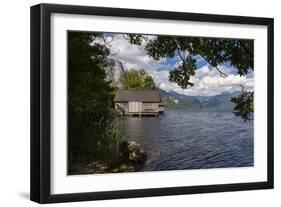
<point>182,139</point>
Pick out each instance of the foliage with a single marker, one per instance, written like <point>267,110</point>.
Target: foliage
<point>138,79</point>
<point>182,73</point>
<point>244,105</point>
<point>91,131</point>
<point>215,51</point>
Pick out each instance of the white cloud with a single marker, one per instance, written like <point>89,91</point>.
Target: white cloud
<point>207,81</point>
<point>132,56</point>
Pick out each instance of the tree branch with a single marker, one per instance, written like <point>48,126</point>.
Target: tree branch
<point>104,40</point>
<point>181,57</point>
<point>222,74</point>
<point>245,48</point>
<point>178,50</point>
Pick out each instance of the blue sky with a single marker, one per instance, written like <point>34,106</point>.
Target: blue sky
<point>207,80</point>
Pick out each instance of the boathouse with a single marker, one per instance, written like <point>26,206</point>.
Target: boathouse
<point>138,102</point>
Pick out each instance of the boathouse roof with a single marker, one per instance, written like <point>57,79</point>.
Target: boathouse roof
<point>150,96</point>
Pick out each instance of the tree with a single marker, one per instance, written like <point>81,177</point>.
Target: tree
<point>138,79</point>
<point>90,114</point>
<point>215,51</point>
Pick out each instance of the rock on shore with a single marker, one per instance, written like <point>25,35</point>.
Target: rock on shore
<point>132,151</point>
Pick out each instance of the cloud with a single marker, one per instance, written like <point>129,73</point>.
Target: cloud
<point>131,56</point>
<point>207,81</point>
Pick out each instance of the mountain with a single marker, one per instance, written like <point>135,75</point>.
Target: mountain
<point>221,101</point>
<point>175,100</point>
<point>114,72</point>
<point>180,101</point>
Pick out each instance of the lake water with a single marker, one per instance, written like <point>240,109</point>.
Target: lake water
<point>183,139</point>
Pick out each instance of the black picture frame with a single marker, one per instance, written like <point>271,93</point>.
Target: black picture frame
<point>40,102</point>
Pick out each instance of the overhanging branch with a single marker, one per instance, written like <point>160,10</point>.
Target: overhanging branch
<point>222,74</point>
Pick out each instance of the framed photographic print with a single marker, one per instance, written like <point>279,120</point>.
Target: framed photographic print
<point>132,103</point>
